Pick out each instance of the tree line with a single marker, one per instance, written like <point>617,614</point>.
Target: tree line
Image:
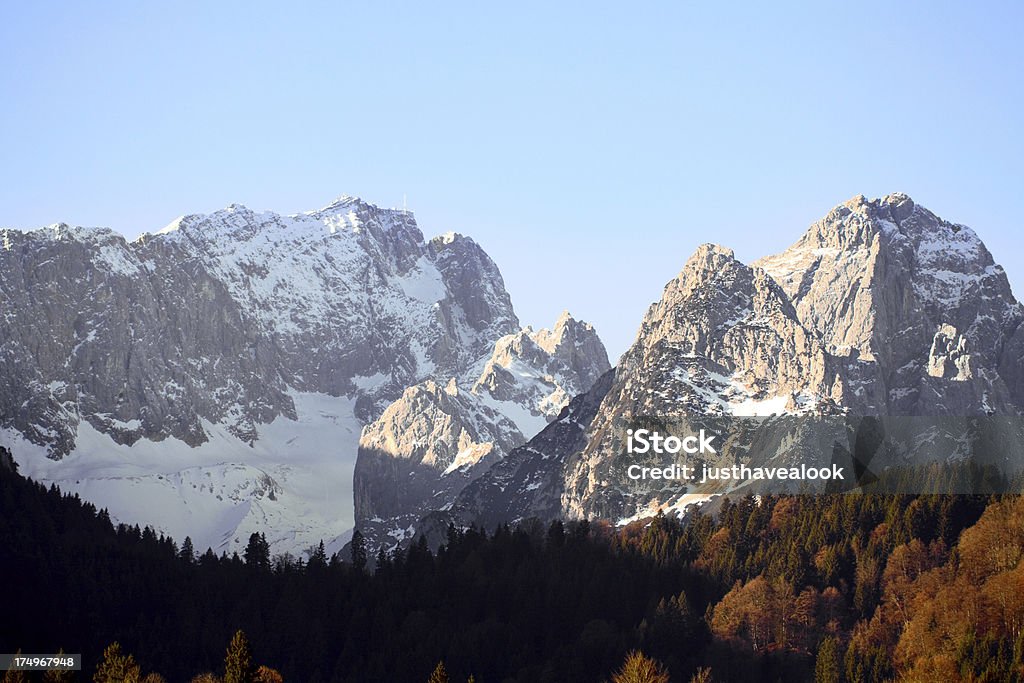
<point>839,587</point>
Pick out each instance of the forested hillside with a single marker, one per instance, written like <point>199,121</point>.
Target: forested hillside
<point>832,588</point>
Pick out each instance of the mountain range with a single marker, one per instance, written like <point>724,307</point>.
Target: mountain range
<point>300,375</point>
<point>880,309</point>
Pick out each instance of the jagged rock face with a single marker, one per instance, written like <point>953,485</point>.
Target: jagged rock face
<point>880,309</point>
<point>720,318</point>
<point>476,287</point>
<point>354,297</point>
<point>542,370</point>
<point>1011,365</point>
<point>431,443</point>
<point>529,481</point>
<point>723,340</point>
<point>217,316</point>
<point>949,357</point>
<point>427,443</point>
<point>915,306</point>
<point>94,330</point>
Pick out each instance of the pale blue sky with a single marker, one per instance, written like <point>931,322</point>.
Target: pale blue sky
<point>589,148</point>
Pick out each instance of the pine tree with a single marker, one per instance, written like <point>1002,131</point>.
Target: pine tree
<point>58,676</point>
<point>257,552</point>
<point>317,556</point>
<point>826,666</point>
<point>238,666</point>
<point>639,668</point>
<point>358,551</point>
<point>187,552</point>
<point>15,675</point>
<point>116,667</point>
<point>440,674</point>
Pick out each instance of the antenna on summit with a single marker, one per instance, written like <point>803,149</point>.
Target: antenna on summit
<point>405,205</point>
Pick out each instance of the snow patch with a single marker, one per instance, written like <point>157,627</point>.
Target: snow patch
<point>294,483</point>
<point>677,507</point>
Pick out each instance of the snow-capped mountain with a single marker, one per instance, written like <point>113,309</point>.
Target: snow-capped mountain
<point>881,308</point>
<point>541,370</point>
<point>212,378</point>
<point>245,371</point>
<point>433,441</point>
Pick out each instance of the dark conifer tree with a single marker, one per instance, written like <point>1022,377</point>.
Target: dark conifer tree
<point>317,557</point>
<point>359,550</point>
<point>187,552</point>
<point>257,552</point>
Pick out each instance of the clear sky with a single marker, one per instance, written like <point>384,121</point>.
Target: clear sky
<point>588,147</point>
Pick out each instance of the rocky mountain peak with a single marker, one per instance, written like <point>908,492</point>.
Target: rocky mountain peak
<point>343,202</point>
<point>425,447</point>
<point>512,394</point>
<point>709,257</point>
<point>568,333</point>
<point>239,333</point>
<point>543,369</point>
<point>890,285</point>
<point>898,204</point>
<point>881,307</point>
<point>713,294</point>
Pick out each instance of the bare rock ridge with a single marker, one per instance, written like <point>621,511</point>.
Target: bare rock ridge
<point>881,308</point>
<point>432,442</point>
<point>915,307</point>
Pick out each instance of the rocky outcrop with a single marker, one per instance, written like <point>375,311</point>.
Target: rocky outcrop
<point>424,449</point>
<point>723,340</point>
<point>529,482</point>
<point>94,330</point>
<point>433,442</point>
<point>915,306</point>
<point>541,370</point>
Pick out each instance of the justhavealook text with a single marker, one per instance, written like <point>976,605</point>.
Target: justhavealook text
<point>643,441</point>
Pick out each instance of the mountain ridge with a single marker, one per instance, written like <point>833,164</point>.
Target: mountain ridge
<point>838,323</point>
<point>239,333</point>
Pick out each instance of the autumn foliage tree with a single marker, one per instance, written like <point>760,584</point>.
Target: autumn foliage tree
<point>264,674</point>
<point>238,666</point>
<point>639,668</point>
<point>117,667</point>
<point>439,675</point>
